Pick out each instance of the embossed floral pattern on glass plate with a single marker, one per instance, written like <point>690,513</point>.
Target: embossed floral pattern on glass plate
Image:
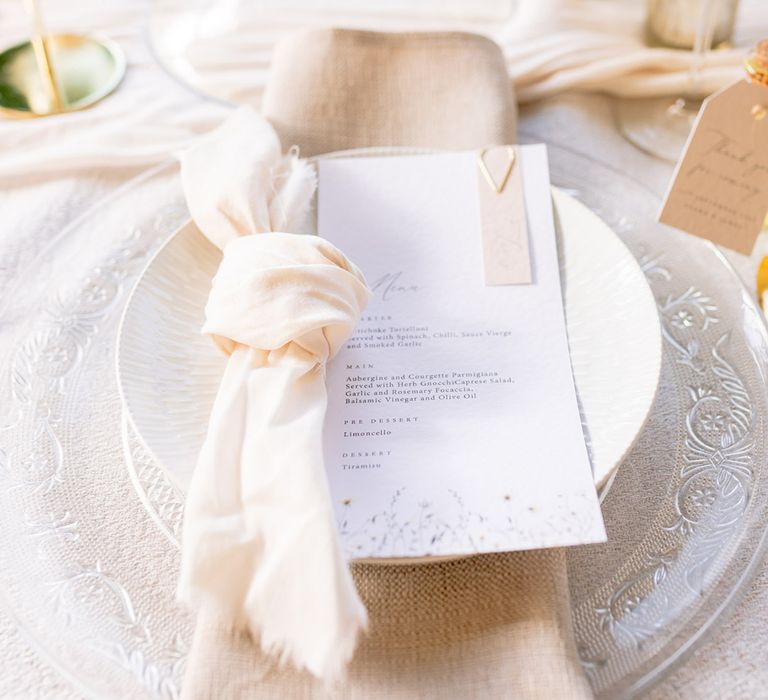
<point>89,575</point>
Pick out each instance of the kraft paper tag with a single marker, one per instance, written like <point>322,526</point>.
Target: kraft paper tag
<point>719,190</point>
<point>503,224</point>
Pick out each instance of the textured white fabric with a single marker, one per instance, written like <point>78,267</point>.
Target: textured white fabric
<point>237,182</point>
<point>555,46</point>
<point>260,545</point>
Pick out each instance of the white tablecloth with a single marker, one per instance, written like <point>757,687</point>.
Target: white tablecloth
<point>37,204</point>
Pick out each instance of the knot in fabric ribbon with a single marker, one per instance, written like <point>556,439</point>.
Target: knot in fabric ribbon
<point>282,289</point>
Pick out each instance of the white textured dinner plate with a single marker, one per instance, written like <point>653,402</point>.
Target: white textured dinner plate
<point>168,372</point>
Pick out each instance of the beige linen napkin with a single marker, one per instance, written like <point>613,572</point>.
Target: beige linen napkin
<point>258,517</point>
<point>335,89</point>
<point>490,626</point>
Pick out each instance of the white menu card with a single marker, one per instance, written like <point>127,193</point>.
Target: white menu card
<point>453,425</point>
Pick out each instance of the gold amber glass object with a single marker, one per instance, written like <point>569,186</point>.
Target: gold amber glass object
<point>757,64</point>
<point>762,282</point>
<point>757,72</point>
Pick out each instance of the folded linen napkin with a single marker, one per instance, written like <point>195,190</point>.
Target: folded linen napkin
<point>405,84</point>
<point>260,547</point>
<point>491,626</point>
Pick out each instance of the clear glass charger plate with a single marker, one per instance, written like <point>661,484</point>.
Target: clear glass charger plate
<point>88,575</point>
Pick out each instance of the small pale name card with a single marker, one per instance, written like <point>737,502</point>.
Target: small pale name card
<point>719,190</point>
<point>503,220</point>
<point>452,425</point>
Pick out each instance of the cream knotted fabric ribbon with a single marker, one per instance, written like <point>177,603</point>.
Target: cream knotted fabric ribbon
<point>260,546</point>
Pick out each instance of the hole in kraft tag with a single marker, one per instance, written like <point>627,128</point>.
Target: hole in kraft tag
<point>503,223</point>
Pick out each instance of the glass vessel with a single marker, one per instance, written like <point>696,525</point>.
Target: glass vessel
<point>661,126</point>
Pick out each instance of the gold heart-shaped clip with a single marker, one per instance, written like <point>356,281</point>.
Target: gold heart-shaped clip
<point>497,188</point>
